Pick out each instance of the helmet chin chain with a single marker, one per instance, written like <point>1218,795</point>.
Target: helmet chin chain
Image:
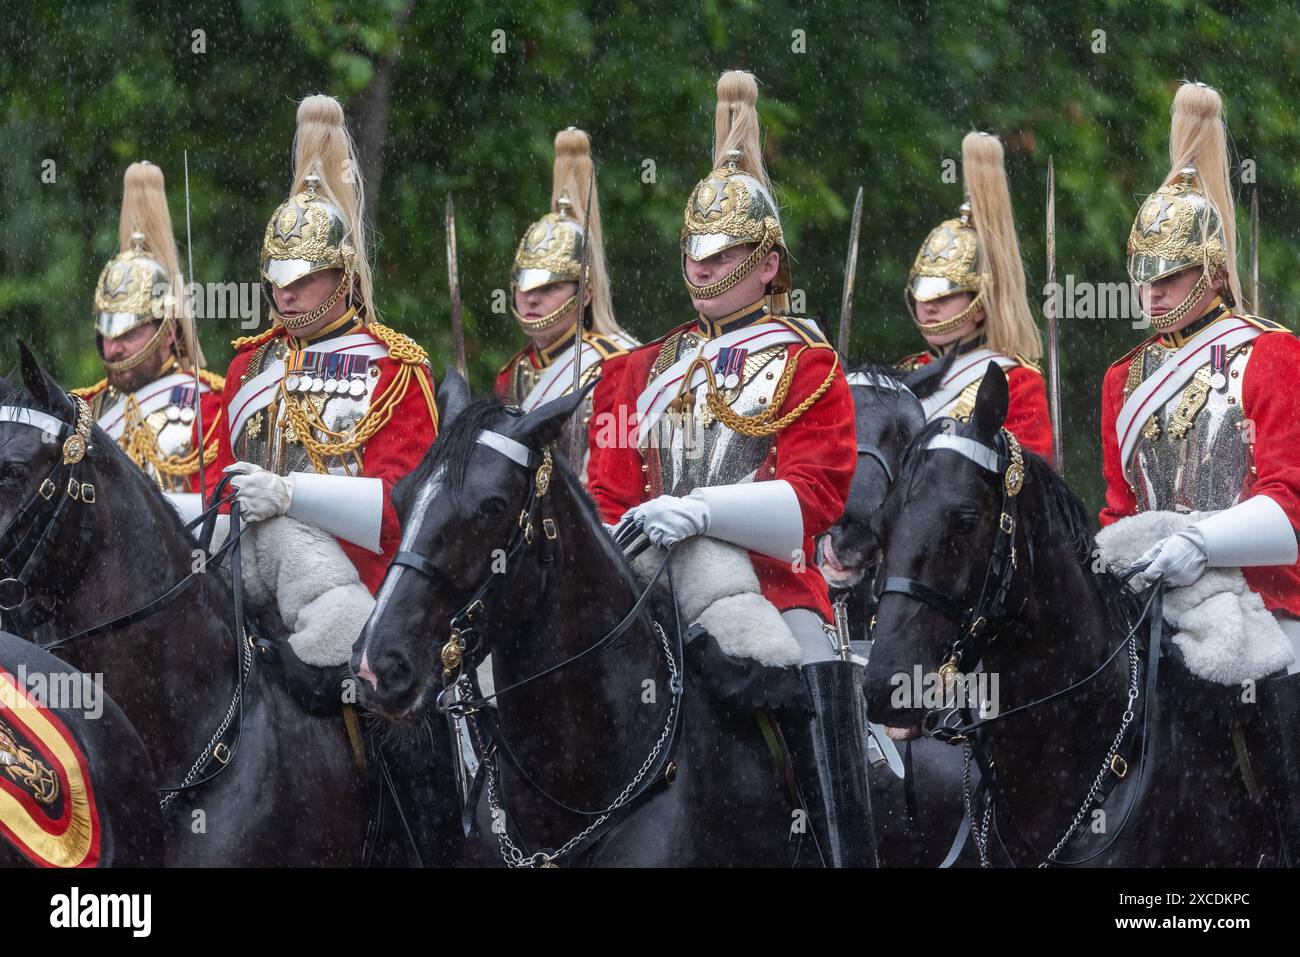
<point>145,353</point>
<point>546,321</point>
<point>953,324</point>
<point>296,323</point>
<point>746,266</point>
<point>1179,312</point>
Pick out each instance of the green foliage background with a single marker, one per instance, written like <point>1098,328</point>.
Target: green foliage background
<point>881,97</point>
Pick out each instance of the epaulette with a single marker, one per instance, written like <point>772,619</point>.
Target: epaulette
<point>250,342</point>
<point>607,346</point>
<point>90,391</point>
<point>911,363</point>
<point>1134,351</point>
<point>217,383</point>
<point>1268,325</point>
<point>400,346</point>
<point>1028,364</point>
<point>809,332</point>
<point>513,360</point>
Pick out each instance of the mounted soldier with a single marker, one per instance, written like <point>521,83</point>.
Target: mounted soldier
<point>148,345</point>
<point>966,294</point>
<point>544,287</point>
<point>1199,417</point>
<point>744,450</point>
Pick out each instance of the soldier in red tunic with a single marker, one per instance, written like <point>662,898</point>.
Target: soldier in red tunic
<point>744,433</point>
<point>327,409</point>
<point>966,293</point>
<point>543,287</point>
<point>1200,417</point>
<point>149,348</point>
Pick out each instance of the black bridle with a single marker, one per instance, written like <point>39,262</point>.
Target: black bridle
<point>45,511</point>
<point>462,646</point>
<point>46,508</point>
<point>978,622</point>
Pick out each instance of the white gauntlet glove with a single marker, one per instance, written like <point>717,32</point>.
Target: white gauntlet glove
<point>1252,533</point>
<point>667,520</point>
<point>261,494</point>
<point>1180,558</point>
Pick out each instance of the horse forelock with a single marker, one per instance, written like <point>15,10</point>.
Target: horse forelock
<point>451,451</point>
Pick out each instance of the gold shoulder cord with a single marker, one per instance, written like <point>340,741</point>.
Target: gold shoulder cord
<point>765,423</point>
<point>141,444</point>
<point>306,421</point>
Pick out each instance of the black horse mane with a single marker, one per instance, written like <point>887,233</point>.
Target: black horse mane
<point>880,370</point>
<point>455,444</point>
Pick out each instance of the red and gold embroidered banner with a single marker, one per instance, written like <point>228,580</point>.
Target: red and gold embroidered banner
<point>47,804</point>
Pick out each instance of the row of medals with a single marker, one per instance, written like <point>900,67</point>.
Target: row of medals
<point>355,387</point>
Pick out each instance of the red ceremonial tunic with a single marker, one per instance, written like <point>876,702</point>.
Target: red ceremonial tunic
<point>816,454</point>
<point>1028,418</point>
<point>391,453</point>
<point>1268,390</point>
<point>211,405</point>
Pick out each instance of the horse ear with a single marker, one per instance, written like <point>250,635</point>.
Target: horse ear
<point>925,380</point>
<point>990,404</point>
<point>44,390</point>
<point>544,424</point>
<point>453,397</point>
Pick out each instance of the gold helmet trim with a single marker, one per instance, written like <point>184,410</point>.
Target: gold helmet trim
<point>306,234</point>
<point>948,262</point>
<point>1176,228</point>
<point>133,288</point>
<point>727,208</point>
<point>550,251</point>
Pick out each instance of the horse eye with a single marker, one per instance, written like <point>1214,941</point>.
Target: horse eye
<point>492,508</point>
<point>13,473</point>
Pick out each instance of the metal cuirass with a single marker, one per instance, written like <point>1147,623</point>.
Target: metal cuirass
<point>1194,454</point>
<point>690,450</point>
<point>167,433</point>
<point>269,438</point>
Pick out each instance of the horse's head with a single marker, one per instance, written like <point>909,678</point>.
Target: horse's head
<point>888,413</point>
<point>49,458</point>
<point>462,514</point>
<point>948,517</point>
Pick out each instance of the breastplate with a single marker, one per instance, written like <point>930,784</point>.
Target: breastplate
<point>1193,454</point>
<point>270,438</point>
<point>164,434</point>
<point>690,450</point>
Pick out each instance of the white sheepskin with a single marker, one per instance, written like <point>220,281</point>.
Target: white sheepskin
<point>313,584</point>
<point>1224,631</point>
<point>717,588</point>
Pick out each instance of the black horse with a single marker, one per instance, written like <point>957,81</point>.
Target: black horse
<point>599,757</point>
<point>77,787</point>
<point>989,559</point>
<point>282,786</point>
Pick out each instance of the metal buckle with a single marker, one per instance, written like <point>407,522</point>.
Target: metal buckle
<point>1006,523</point>
<point>1118,766</point>
<point>88,493</point>
<point>74,489</point>
<point>523,517</point>
<point>548,526</point>
<point>978,625</point>
<point>476,604</point>
<point>221,753</point>
<point>47,489</point>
